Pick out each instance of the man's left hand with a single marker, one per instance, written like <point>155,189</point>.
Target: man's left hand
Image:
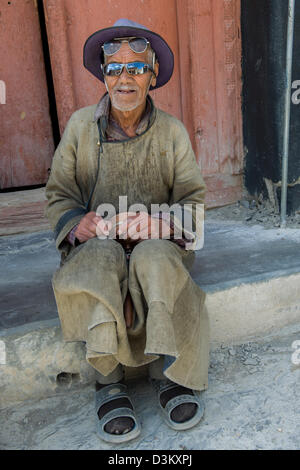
<point>144,227</point>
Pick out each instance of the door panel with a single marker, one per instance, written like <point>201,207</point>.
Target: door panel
<point>26,142</point>
<point>210,56</point>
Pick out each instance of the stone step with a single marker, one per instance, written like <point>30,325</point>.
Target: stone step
<point>251,276</point>
<point>252,402</point>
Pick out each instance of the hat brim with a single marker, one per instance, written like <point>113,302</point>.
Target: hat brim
<point>92,50</point>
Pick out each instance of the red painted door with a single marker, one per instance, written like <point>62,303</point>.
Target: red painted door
<point>26,142</point>
<point>211,83</point>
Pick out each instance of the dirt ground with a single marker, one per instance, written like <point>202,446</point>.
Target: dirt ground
<point>253,212</point>
<point>252,402</point>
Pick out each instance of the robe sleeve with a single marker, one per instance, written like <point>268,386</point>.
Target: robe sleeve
<point>188,191</point>
<point>65,206</point>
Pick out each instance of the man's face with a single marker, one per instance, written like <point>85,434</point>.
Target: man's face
<point>127,92</point>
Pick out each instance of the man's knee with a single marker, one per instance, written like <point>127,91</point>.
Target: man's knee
<point>157,254</point>
<point>151,249</point>
<point>104,249</point>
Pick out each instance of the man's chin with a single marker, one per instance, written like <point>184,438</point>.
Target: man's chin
<point>125,105</point>
<point>124,108</point>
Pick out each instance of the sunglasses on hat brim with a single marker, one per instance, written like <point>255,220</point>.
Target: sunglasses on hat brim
<point>115,69</point>
<point>137,45</point>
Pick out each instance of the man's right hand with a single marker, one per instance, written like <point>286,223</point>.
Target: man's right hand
<point>87,227</point>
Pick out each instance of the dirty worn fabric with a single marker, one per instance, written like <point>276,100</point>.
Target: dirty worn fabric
<point>170,316</point>
<point>156,371</point>
<point>114,133</point>
<point>156,167</point>
<point>91,284</point>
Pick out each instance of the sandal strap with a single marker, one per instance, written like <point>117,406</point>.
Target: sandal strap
<point>117,413</point>
<point>179,400</point>
<point>163,387</point>
<point>109,393</point>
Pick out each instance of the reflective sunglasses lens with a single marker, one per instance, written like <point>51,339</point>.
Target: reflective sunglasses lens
<point>111,47</point>
<point>136,68</point>
<point>112,69</point>
<point>138,44</point>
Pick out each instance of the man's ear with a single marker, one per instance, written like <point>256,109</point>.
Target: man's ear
<point>156,70</point>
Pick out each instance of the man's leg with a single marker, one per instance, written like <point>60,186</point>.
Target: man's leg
<point>90,280</point>
<point>160,269</point>
<point>183,412</point>
<point>118,425</point>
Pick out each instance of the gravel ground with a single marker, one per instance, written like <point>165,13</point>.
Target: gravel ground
<point>253,212</point>
<point>252,403</point>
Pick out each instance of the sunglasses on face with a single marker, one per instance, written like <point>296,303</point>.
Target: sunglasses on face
<point>133,68</point>
<point>138,45</point>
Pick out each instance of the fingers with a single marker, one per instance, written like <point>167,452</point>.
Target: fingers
<point>91,226</point>
<point>140,224</point>
<point>83,234</point>
<point>145,227</point>
<point>86,228</point>
<point>123,221</point>
<point>103,227</point>
<point>125,225</point>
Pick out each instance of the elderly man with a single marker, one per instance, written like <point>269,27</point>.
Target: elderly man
<point>124,284</point>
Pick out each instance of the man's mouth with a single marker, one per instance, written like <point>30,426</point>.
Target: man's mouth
<point>126,92</point>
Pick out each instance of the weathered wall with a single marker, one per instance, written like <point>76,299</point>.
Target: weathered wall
<point>210,57</point>
<point>264,26</point>
<point>26,143</point>
<point>204,92</point>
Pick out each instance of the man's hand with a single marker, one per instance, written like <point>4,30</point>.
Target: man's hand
<point>90,226</point>
<point>120,224</point>
<point>144,227</point>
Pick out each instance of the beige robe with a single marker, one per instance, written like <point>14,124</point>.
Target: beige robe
<point>90,287</point>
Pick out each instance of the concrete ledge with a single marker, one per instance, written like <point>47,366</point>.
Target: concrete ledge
<point>246,311</point>
<point>33,359</point>
<point>36,362</point>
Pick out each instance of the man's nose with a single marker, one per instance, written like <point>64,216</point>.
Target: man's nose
<point>125,76</point>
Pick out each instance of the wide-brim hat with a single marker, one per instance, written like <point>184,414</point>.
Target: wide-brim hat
<point>125,28</point>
